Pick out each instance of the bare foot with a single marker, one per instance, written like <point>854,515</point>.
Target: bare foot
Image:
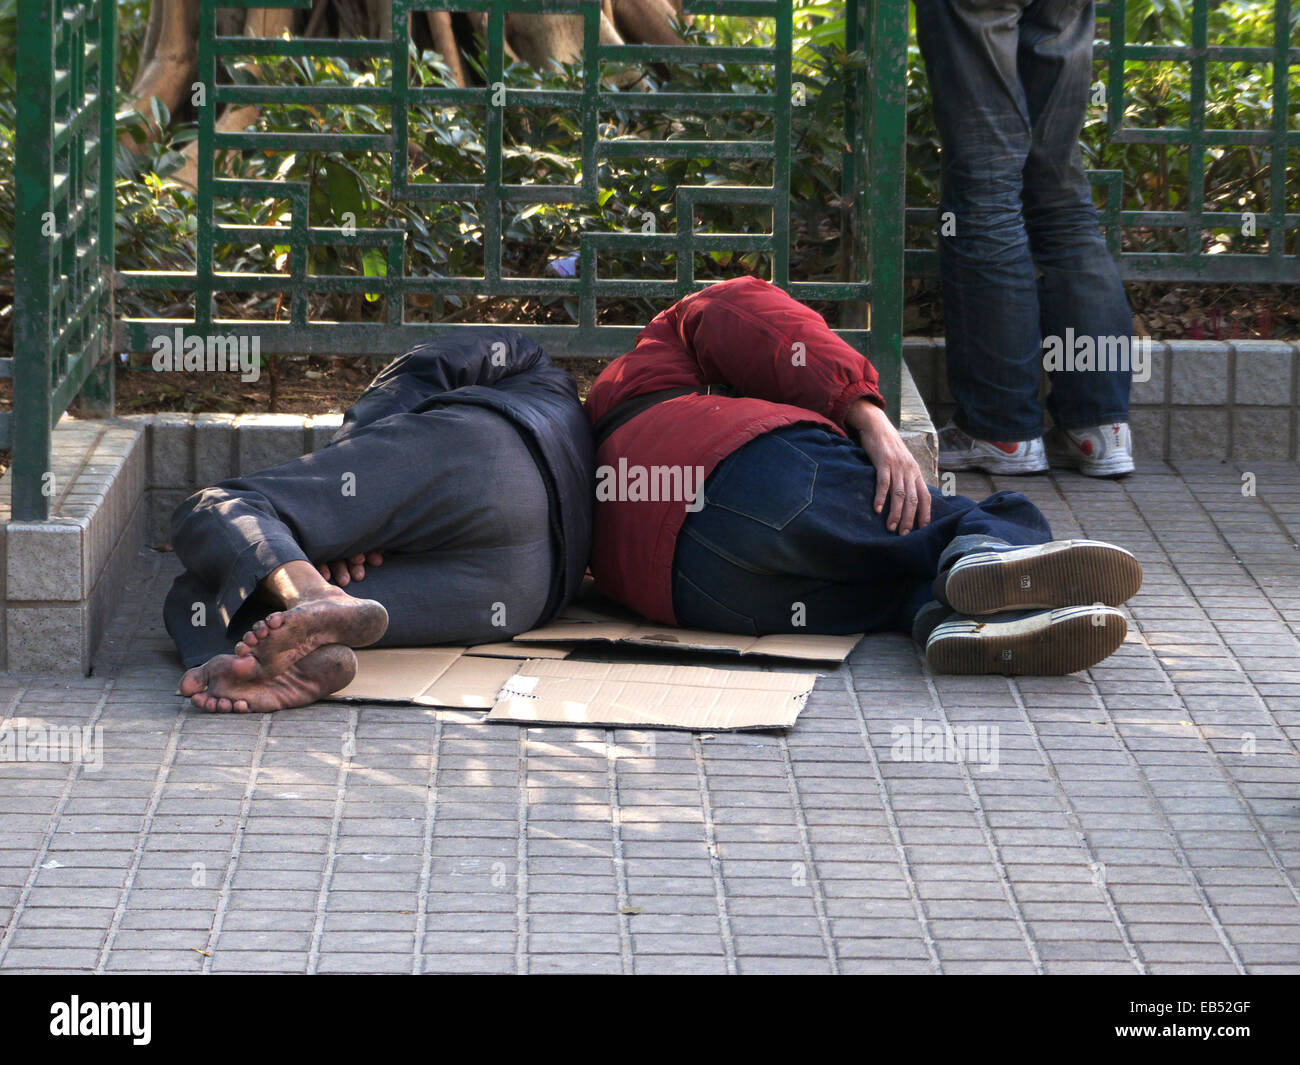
<point>230,684</point>
<point>333,616</point>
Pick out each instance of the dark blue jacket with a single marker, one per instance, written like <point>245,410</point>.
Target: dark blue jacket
<point>507,372</point>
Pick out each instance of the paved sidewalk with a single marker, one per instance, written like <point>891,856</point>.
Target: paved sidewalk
<point>1144,817</point>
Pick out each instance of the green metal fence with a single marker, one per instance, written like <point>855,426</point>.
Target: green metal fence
<point>872,177</point>
<point>1186,238</point>
<point>63,231</point>
<point>1191,226</point>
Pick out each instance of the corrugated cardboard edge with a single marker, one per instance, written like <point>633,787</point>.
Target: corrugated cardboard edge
<point>469,683</point>
<point>585,624</point>
<point>463,677</point>
<point>396,674</point>
<point>514,650</point>
<point>643,695</point>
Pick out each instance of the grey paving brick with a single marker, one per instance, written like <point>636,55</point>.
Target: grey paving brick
<point>467,964</point>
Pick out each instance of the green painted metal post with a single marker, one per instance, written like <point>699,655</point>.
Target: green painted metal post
<point>97,395</point>
<point>887,151</point>
<point>63,298</point>
<point>33,269</point>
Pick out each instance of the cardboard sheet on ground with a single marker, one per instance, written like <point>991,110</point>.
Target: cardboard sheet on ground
<point>629,694</point>
<point>548,688</point>
<point>436,676</point>
<point>586,621</point>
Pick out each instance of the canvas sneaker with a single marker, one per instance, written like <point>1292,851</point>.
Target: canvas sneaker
<point>1054,574</point>
<point>960,451</point>
<point>1098,451</point>
<point>1046,643</point>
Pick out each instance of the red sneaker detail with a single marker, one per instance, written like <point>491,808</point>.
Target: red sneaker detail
<point>1010,448</point>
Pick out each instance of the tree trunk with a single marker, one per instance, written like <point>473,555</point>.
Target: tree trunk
<point>169,57</point>
<point>444,43</point>
<point>170,60</point>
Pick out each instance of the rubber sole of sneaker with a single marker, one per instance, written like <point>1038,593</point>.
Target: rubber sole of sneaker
<point>1064,641</point>
<point>1010,468</point>
<point>1115,466</point>
<point>1055,574</point>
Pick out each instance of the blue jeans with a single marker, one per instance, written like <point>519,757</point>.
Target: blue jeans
<point>1009,82</point>
<point>787,541</point>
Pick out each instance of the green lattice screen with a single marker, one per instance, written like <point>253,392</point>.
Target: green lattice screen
<point>63,230</point>
<point>872,185</point>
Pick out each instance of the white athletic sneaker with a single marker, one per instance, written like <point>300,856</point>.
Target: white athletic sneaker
<point>1050,643</point>
<point>1098,451</point>
<point>960,451</point>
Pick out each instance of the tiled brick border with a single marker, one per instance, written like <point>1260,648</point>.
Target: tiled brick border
<point>1205,399</point>
<point>917,427</point>
<point>62,576</point>
<point>186,452</point>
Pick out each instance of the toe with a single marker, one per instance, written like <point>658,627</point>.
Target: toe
<point>193,681</point>
<point>246,667</point>
<point>241,706</point>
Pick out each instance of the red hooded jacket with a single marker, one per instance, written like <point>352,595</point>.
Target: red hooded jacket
<point>785,366</point>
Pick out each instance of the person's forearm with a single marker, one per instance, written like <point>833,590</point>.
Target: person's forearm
<point>864,416</point>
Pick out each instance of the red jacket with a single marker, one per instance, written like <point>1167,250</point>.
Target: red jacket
<point>784,365</point>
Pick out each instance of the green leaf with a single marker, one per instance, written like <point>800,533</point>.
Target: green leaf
<point>374,264</point>
<point>346,196</point>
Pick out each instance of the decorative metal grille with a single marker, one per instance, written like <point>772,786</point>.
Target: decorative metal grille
<point>63,230</point>
<point>872,175</point>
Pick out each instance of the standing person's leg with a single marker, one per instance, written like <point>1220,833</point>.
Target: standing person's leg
<point>1080,293</point>
<point>990,298</point>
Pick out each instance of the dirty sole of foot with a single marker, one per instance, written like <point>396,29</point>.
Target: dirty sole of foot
<point>1060,573</point>
<point>1047,644</point>
<point>303,628</point>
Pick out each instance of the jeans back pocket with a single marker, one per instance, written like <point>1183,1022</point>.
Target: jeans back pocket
<point>769,480</point>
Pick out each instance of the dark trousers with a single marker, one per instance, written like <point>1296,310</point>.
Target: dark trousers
<point>1021,257</point>
<point>788,542</point>
<point>452,496</point>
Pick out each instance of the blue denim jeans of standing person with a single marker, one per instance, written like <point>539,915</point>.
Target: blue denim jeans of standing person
<point>1025,260</point>
<point>788,541</point>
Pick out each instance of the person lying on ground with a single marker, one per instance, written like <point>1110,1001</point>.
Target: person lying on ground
<point>457,493</point>
<point>748,480</point>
